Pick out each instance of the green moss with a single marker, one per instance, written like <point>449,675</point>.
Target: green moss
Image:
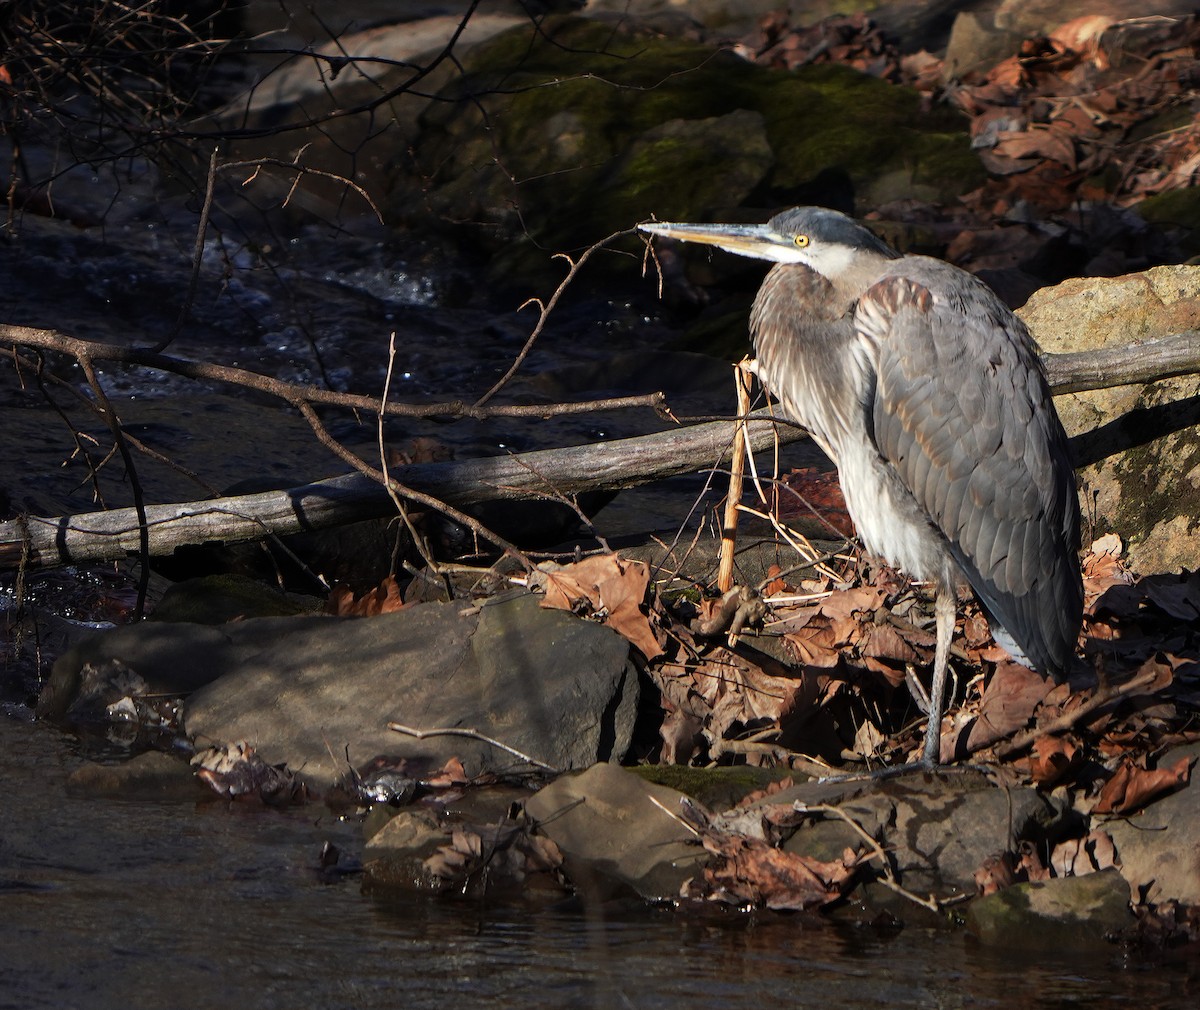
<point>216,599</point>
<point>716,788</point>
<point>1154,498</point>
<point>1176,209</point>
<point>588,128</point>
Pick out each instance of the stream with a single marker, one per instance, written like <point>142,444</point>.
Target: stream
<point>118,903</point>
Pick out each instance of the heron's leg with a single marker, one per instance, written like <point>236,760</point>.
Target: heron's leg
<point>945,606</point>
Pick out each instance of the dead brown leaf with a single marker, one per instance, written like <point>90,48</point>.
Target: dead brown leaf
<point>608,586</point>
<point>385,598</point>
<point>1077,857</point>
<point>751,872</point>
<point>1052,758</point>
<point>1029,863</point>
<point>452,773</point>
<point>1037,142</point>
<point>1131,787</point>
<point>994,875</point>
<point>1009,701</point>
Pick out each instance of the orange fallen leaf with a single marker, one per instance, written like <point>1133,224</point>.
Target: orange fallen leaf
<point>1052,758</point>
<point>609,586</point>
<point>1077,857</point>
<point>385,598</point>
<point>1131,788</point>
<point>995,874</point>
<point>749,871</point>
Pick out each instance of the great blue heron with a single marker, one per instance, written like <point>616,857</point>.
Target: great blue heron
<point>928,395</point>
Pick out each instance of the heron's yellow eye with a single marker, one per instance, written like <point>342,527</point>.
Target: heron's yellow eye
<point>801,241</point>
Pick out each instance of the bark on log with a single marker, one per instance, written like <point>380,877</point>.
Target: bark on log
<point>622,463</point>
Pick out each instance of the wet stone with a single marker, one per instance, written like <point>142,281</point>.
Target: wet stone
<point>317,693</point>
<point>153,775</point>
<point>1069,913</point>
<point>939,828</point>
<point>610,829</point>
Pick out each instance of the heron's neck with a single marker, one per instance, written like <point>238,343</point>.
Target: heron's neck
<point>851,281</point>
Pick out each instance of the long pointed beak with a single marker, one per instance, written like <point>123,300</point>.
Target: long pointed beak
<point>758,241</point>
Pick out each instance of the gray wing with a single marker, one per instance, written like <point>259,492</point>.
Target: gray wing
<point>963,413</point>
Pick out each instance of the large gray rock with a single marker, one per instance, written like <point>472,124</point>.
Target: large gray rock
<point>1159,849</point>
<point>305,691</point>
<point>1137,447</point>
<point>939,829</point>
<point>558,689</point>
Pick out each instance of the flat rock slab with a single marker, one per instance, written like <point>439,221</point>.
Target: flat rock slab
<point>555,688</point>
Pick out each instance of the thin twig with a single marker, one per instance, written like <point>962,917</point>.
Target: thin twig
<point>389,484</point>
<point>291,392</point>
<point>470,734</point>
<point>135,485</point>
<point>545,308</point>
<point>197,258</point>
<point>889,874</point>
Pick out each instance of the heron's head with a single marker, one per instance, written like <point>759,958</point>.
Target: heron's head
<point>825,240</point>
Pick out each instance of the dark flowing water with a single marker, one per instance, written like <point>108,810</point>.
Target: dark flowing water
<point>107,903</point>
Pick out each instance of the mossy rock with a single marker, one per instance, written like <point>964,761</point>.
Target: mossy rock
<point>1177,211</point>
<point>217,599</point>
<point>552,141</point>
<point>1072,913</point>
<point>717,788</point>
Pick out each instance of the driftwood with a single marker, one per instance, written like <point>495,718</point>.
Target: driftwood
<point>622,463</point>
<point>102,536</point>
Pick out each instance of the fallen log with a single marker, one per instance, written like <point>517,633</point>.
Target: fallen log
<point>40,542</point>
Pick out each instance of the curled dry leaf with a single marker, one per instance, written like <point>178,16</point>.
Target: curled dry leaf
<point>1008,704</point>
<point>1077,857</point>
<point>1051,759</point>
<point>995,874</point>
<point>385,598</point>
<point>507,851</point>
<point>608,586</point>
<point>751,872</point>
<point>1029,862</point>
<point>235,769</point>
<point>452,773</point>
<point>1131,787</point>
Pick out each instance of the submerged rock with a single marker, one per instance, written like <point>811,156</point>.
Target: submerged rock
<point>612,827</point>
<point>153,775</point>
<point>1070,913</point>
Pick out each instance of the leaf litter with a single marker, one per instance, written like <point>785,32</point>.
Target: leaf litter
<point>837,697</point>
<point>1073,128</point>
